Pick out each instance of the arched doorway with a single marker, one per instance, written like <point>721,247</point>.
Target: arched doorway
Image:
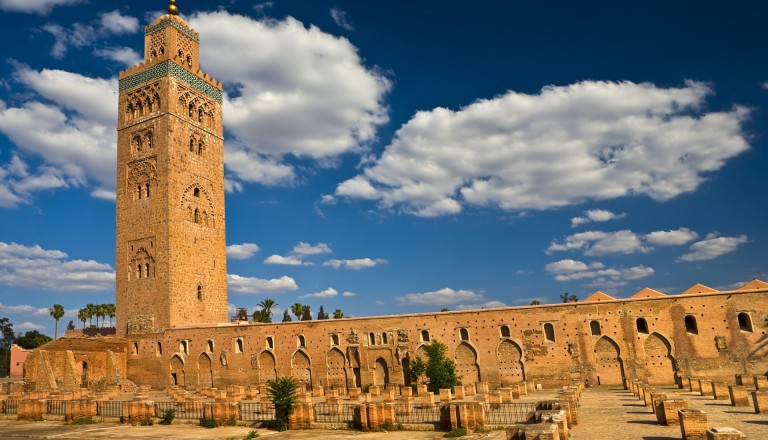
<point>380,372</point>
<point>510,365</point>
<point>177,371</point>
<point>659,365</point>
<point>337,374</point>
<point>82,368</point>
<point>267,367</point>
<point>467,369</point>
<point>406,370</point>
<point>301,369</point>
<point>204,371</point>
<point>608,367</point>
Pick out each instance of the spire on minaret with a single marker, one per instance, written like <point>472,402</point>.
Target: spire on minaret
<point>172,8</point>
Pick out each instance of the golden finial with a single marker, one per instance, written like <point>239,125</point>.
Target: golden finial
<point>172,9</point>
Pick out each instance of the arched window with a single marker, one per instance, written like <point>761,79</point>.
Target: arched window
<point>149,140</point>
<point>642,326</point>
<point>302,342</point>
<point>189,60</point>
<point>135,348</point>
<point>154,53</point>
<point>196,192</point>
<point>147,187</point>
<point>425,335</point>
<point>181,55</point>
<point>129,110</point>
<point>464,333</point>
<point>184,347</point>
<point>384,338</point>
<point>138,269</point>
<point>594,328</point>
<point>197,215</point>
<point>137,143</point>
<point>147,105</point>
<point>334,339</point>
<point>504,331</point>
<point>199,292</point>
<point>200,147</point>
<point>239,345</point>
<point>371,339</point>
<point>159,348</point>
<point>191,145</point>
<point>745,322</point>
<point>140,108</point>
<point>270,342</point>
<point>549,332</point>
<point>138,192</point>
<point>200,115</point>
<point>210,345</point>
<point>191,109</point>
<point>162,50</point>
<point>690,325</point>
<point>146,267</point>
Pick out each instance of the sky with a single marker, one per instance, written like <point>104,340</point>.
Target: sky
<point>406,156</point>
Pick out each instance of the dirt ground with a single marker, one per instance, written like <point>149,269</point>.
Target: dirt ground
<point>607,413</point>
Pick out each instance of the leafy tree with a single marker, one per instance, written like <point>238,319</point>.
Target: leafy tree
<point>535,302</point>
<point>286,316</point>
<point>6,339</point>
<point>57,312</point>
<point>32,339</point>
<point>82,315</point>
<point>322,315</point>
<point>306,315</point>
<point>440,370</point>
<point>338,314</point>
<point>445,309</point>
<point>297,309</point>
<point>415,372</point>
<point>567,297</point>
<point>284,393</point>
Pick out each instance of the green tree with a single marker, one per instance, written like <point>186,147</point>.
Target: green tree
<point>535,302</point>
<point>91,311</point>
<point>445,309</point>
<point>32,339</point>
<point>321,314</point>
<point>284,393</point>
<point>286,316</point>
<point>57,312</point>
<point>338,314</point>
<point>567,297</point>
<point>111,312</point>
<point>82,315</point>
<point>306,315</point>
<point>6,339</point>
<point>440,370</point>
<point>297,309</point>
<point>415,372</point>
<point>101,312</point>
<point>266,310</point>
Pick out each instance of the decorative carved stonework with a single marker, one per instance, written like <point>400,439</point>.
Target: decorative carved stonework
<point>141,324</point>
<point>223,357</point>
<point>721,343</point>
<point>353,337</point>
<point>402,335</point>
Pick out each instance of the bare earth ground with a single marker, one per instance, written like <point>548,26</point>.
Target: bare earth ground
<point>606,413</point>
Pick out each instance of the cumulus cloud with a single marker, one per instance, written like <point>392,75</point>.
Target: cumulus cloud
<point>591,140</point>
<point>327,293</point>
<point>295,76</point>
<point>712,247</point>
<point>72,132</point>
<point>25,310</point>
<point>82,35</point>
<point>251,285</point>
<point>242,251</point>
<point>595,215</point>
<point>485,305</point>
<point>341,19</point>
<point>30,326</point>
<point>38,268</point>
<point>348,294</point>
<point>306,249</point>
<point>123,55</point>
<point>41,7</point>
<point>440,297</point>
<point>356,264</point>
<point>116,23</point>
<point>569,270</point>
<point>595,243</point>
<point>672,237</point>
<point>290,260</point>
<point>765,85</point>
<point>18,184</point>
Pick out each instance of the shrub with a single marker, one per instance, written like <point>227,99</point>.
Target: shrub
<point>251,435</point>
<point>457,432</point>
<point>208,422</point>
<point>168,416</point>
<point>283,392</point>
<point>147,422</point>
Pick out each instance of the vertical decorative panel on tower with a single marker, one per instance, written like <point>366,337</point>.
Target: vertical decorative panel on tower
<point>171,251</point>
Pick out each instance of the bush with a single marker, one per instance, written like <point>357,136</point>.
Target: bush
<point>168,416</point>
<point>147,422</point>
<point>283,392</point>
<point>208,422</point>
<point>457,432</point>
<point>251,435</point>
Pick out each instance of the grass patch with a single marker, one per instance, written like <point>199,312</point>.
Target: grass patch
<point>168,416</point>
<point>251,435</point>
<point>457,432</point>
<point>82,421</point>
<point>208,422</point>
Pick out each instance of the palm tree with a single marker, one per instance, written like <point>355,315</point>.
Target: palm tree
<point>338,314</point>
<point>101,312</point>
<point>57,312</point>
<point>91,311</point>
<point>297,309</point>
<point>111,312</point>
<point>266,308</point>
<point>83,315</point>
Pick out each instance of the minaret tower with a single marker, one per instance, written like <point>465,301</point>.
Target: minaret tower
<point>171,248</point>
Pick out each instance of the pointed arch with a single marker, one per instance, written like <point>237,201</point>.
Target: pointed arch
<point>301,368</point>
<point>659,363</point>
<point>336,375</point>
<point>204,371</point>
<point>609,368</point>
<point>511,368</point>
<point>380,372</point>
<point>266,366</point>
<point>467,368</point>
<point>177,371</point>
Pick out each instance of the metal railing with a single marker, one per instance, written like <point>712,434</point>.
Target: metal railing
<point>56,407</point>
<point>334,413</point>
<point>184,410</point>
<point>11,406</point>
<point>257,412</point>
<point>507,413</point>
<point>417,413</point>
<point>109,408</point>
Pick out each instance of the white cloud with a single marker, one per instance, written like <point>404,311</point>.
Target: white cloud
<point>242,251</point>
<point>587,141</point>
<point>238,284</point>
<point>765,85</point>
<point>17,184</point>
<point>288,261</point>
<point>327,293</point>
<point>569,270</point>
<point>41,7</point>
<point>24,310</point>
<point>595,243</point>
<point>671,238</point>
<point>116,23</point>
<point>440,297</point>
<point>28,326</point>
<point>123,55</point>
<point>485,305</point>
<point>305,249</point>
<point>712,247</point>
<point>595,215</point>
<point>341,19</point>
<point>356,264</point>
<point>83,35</point>
<point>348,294</point>
<point>38,268</point>
<point>295,77</point>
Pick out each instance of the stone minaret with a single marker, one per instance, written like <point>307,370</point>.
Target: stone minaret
<point>171,251</point>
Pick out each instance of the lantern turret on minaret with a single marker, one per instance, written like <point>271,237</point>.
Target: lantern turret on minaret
<point>171,248</point>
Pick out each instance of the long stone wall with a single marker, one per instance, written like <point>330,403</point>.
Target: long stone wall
<point>714,335</point>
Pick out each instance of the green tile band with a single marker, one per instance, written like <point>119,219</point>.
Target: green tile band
<point>166,23</point>
<point>166,68</point>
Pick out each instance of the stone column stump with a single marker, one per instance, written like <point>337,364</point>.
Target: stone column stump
<point>725,434</point>
<point>738,395</point>
<point>720,390</point>
<point>760,401</point>
<point>693,424</point>
<point>669,408</point>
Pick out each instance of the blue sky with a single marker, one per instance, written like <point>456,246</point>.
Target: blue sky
<point>397,157</point>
